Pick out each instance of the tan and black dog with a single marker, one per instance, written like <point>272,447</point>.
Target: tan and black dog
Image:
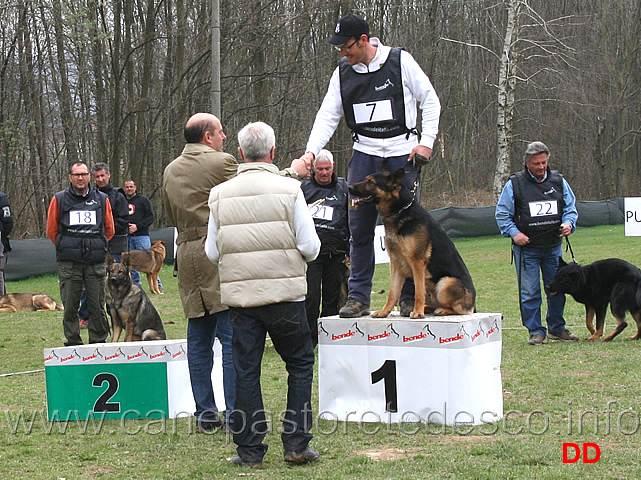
<point>28,302</point>
<point>418,248</point>
<point>147,261</point>
<point>130,308</point>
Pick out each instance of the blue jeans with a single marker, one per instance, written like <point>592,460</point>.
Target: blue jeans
<point>362,222</point>
<point>201,333</point>
<point>288,329</point>
<point>140,242</point>
<point>529,262</point>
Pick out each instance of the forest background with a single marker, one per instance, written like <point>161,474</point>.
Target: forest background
<point>114,81</point>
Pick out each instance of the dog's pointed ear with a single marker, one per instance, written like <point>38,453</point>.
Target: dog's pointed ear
<point>561,262</point>
<point>398,175</point>
<point>126,261</point>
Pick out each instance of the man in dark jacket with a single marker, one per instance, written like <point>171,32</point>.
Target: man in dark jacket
<point>141,216</point>
<point>80,225</point>
<point>119,209</point>
<point>326,194</point>
<point>6,225</point>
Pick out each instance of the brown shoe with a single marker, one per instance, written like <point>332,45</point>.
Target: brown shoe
<point>353,308</point>
<point>537,339</point>
<point>564,336</point>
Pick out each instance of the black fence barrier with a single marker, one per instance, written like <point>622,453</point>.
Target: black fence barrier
<point>30,258</point>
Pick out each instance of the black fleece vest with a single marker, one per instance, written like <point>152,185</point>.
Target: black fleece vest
<point>539,207</point>
<point>81,235</point>
<point>373,102</point>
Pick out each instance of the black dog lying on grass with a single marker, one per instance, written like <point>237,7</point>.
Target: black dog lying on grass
<point>612,281</point>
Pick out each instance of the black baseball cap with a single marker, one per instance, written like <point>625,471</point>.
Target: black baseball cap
<point>347,27</point>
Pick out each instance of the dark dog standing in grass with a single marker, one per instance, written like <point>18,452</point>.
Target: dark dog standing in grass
<point>612,281</point>
<point>130,308</point>
<point>419,248</point>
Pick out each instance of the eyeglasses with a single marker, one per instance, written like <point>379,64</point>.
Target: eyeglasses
<point>79,174</point>
<point>344,48</point>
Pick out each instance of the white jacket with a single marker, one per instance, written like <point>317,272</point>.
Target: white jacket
<point>417,88</point>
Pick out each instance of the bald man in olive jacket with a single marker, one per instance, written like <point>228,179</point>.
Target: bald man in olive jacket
<point>187,182</point>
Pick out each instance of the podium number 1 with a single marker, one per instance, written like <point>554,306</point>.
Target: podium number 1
<point>388,373</point>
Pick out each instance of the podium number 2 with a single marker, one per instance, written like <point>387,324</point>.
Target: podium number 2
<point>103,404</point>
<point>388,373</point>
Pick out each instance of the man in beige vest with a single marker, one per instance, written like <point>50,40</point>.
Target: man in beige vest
<point>261,234</point>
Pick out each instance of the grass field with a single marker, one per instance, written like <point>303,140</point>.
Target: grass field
<point>553,394</point>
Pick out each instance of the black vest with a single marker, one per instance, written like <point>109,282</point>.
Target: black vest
<point>330,216</point>
<point>373,102</point>
<point>539,207</point>
<point>81,233</point>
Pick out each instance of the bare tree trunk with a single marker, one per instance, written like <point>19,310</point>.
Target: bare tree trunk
<point>97,55</point>
<point>505,101</point>
<point>144,104</point>
<point>33,111</point>
<point>66,110</point>
<point>116,75</point>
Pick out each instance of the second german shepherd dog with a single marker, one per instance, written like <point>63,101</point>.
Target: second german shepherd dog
<point>28,302</point>
<point>130,308</point>
<point>148,261</point>
<point>612,281</point>
<point>418,248</point>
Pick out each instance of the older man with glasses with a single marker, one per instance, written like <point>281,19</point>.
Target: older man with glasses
<point>377,89</point>
<point>80,225</point>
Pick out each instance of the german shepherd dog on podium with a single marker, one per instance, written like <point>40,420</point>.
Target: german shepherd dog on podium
<point>418,248</point>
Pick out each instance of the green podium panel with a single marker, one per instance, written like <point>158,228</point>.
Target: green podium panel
<point>117,380</point>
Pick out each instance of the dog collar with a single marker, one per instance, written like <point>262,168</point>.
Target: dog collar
<point>401,210</point>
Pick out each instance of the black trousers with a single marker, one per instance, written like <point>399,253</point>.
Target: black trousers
<point>324,278</point>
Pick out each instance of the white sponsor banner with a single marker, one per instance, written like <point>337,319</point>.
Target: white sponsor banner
<point>380,253</point>
<point>632,208</point>
<point>444,370</point>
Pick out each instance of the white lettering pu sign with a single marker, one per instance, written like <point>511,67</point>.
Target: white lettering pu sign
<point>632,208</point>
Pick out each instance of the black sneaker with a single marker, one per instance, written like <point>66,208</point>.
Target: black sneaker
<point>406,307</point>
<point>306,456</point>
<point>208,426</point>
<point>353,308</point>
<point>236,460</point>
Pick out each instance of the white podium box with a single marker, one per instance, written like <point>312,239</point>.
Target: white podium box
<point>111,380</point>
<point>444,370</point>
